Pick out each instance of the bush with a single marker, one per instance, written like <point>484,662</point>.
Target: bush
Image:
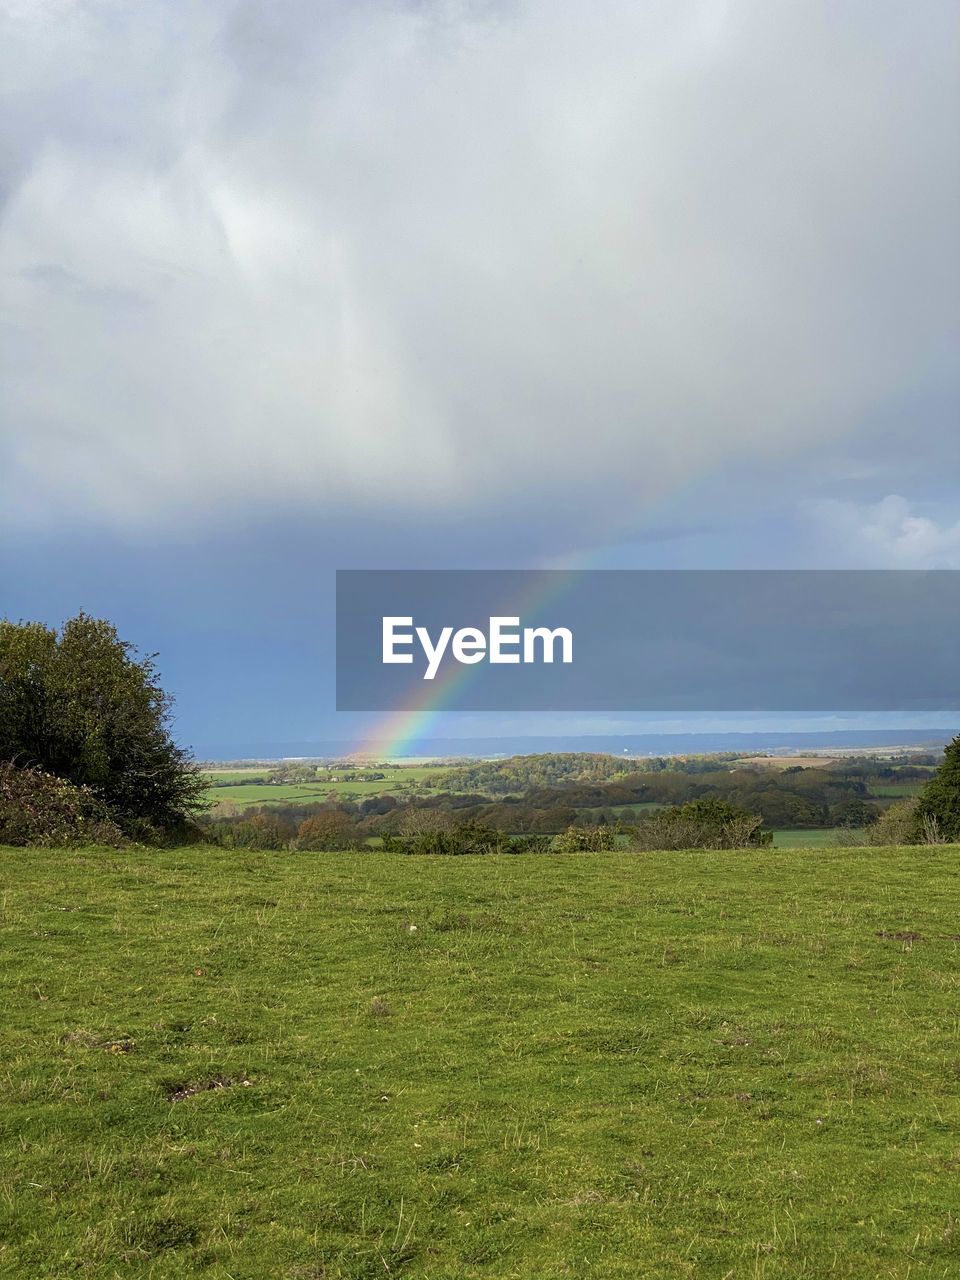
<point>81,705</point>
<point>261,831</point>
<point>39,809</point>
<point>708,823</point>
<point>586,840</point>
<point>326,831</point>
<point>466,838</point>
<point>896,825</point>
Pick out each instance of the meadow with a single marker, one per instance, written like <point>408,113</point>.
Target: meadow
<point>808,837</point>
<point>230,787</point>
<point>346,1066</point>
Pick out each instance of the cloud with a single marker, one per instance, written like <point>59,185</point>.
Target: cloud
<point>887,535</point>
<point>379,257</point>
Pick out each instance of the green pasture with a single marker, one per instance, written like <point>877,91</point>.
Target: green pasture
<point>816,838</point>
<point>599,1067</point>
<point>247,794</point>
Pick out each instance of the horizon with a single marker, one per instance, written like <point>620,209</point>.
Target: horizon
<point>772,742</point>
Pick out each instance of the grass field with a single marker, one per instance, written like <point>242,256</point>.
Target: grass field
<point>321,1066</point>
<point>235,775</point>
<point>895,790</point>
<point>247,794</point>
<point>806,838</point>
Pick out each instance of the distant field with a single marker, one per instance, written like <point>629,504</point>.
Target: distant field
<point>788,762</point>
<point>816,839</point>
<point>895,790</point>
<point>233,775</point>
<point>609,1067</point>
<point>268,793</point>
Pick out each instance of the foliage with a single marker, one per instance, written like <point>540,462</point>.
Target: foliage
<point>708,823</point>
<point>328,830</point>
<point>80,704</point>
<point>39,809</point>
<point>462,838</point>
<point>897,825</point>
<point>938,809</point>
<point>518,773</point>
<point>261,831</point>
<point>598,839</point>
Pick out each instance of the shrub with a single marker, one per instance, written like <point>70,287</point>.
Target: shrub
<point>466,838</point>
<point>261,831</point>
<point>80,704</point>
<point>896,825</point>
<point>708,823</point>
<point>325,831</point>
<point>586,840</point>
<point>39,809</point>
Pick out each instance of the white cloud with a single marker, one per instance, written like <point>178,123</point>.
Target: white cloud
<point>887,535</point>
<point>367,255</point>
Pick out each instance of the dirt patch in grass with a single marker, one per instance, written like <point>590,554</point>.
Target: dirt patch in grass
<point>180,1092</point>
<point>82,1039</point>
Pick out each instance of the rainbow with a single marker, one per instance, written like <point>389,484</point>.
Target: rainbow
<point>400,727</point>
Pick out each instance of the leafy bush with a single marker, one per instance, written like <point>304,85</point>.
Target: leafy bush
<point>37,808</point>
<point>585,840</point>
<point>466,838</point>
<point>261,831</point>
<point>330,830</point>
<point>708,823</point>
<point>79,704</point>
<point>896,825</point>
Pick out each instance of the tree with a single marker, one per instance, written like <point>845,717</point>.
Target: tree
<point>82,705</point>
<point>938,809</point>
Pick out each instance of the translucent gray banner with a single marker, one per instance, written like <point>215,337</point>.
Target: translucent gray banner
<point>648,640</point>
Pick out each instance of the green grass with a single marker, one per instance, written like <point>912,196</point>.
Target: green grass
<point>256,793</point>
<point>897,790</point>
<point>806,838</point>
<point>282,793</point>
<point>639,1066</point>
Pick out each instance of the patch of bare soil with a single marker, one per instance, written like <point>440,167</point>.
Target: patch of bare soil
<point>179,1092</point>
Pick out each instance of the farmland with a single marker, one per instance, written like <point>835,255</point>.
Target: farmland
<point>811,838</point>
<point>711,1064</point>
<point>895,790</point>
<point>248,787</point>
<point>800,799</point>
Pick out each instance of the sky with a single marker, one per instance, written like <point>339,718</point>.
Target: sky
<point>304,286</point>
